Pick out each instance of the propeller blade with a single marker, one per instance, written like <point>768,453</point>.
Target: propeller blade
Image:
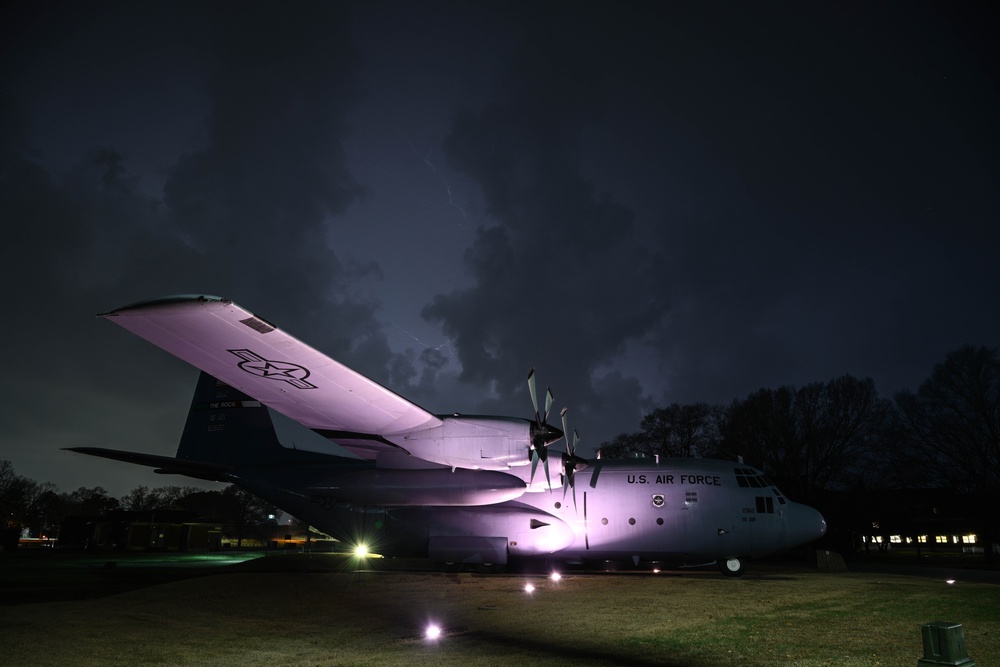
<point>534,466</point>
<point>572,484</point>
<point>534,394</point>
<point>541,434</point>
<point>571,462</point>
<point>565,424</point>
<point>597,471</point>
<point>540,454</point>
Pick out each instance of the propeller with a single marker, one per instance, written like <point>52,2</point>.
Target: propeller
<point>571,462</point>
<point>542,434</point>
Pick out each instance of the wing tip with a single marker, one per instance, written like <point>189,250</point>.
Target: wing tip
<point>166,302</point>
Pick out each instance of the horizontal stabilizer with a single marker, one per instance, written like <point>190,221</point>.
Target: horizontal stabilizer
<point>163,464</point>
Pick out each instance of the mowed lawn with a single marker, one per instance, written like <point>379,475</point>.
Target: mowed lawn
<point>243,619</point>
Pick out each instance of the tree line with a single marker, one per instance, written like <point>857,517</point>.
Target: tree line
<point>41,507</point>
<point>840,435</point>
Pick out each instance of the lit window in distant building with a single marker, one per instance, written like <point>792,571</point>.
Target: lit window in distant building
<point>941,539</point>
<point>968,539</point>
<point>895,539</point>
<point>922,539</point>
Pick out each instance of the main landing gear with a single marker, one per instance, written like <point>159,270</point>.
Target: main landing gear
<point>731,567</point>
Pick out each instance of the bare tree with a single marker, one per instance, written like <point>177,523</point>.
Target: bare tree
<point>247,511</point>
<point>820,436</point>
<point>89,501</point>
<point>680,430</point>
<point>140,499</point>
<point>676,430</point>
<point>622,446</point>
<point>24,503</point>
<point>949,431</point>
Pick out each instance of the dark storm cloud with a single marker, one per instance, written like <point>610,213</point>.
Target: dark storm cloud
<point>846,150</point>
<point>797,193</point>
<point>260,201</point>
<point>672,202</point>
<point>251,213</point>
<point>559,278</point>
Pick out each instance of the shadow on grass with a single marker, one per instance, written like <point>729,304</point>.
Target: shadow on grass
<point>577,655</point>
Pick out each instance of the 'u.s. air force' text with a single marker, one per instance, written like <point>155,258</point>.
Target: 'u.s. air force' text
<point>705,480</point>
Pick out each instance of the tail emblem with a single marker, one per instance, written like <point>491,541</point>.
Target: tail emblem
<point>284,371</point>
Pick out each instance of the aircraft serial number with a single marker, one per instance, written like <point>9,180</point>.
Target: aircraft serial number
<point>707,480</point>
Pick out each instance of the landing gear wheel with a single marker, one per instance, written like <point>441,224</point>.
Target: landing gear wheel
<point>731,567</point>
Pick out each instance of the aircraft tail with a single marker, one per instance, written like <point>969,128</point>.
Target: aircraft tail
<point>227,427</point>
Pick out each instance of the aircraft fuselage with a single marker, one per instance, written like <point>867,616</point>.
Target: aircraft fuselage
<point>682,510</point>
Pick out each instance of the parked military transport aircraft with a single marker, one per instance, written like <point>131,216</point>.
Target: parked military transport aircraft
<point>455,488</point>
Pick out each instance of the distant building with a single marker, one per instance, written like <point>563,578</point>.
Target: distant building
<point>922,520</point>
<point>161,530</point>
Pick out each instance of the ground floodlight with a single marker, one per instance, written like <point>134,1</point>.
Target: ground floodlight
<point>433,631</point>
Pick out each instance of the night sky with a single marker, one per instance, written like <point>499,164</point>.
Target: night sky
<point>647,202</point>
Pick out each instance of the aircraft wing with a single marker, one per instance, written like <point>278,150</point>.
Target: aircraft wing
<point>254,356</point>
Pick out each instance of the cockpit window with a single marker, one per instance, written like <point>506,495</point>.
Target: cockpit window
<point>749,478</point>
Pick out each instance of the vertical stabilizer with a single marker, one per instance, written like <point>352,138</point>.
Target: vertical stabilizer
<point>226,426</point>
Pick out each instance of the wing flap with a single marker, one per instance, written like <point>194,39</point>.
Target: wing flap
<point>252,355</point>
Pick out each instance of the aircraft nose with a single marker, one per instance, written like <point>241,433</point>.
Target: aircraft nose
<point>804,524</point>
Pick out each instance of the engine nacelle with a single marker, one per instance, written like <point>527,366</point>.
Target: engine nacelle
<point>479,443</point>
<point>442,487</point>
<point>540,481</point>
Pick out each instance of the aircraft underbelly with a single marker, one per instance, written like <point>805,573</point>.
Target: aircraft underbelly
<point>528,531</point>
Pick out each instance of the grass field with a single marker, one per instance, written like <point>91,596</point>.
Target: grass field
<point>245,615</point>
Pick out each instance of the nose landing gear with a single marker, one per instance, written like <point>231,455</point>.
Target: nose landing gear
<point>731,567</point>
